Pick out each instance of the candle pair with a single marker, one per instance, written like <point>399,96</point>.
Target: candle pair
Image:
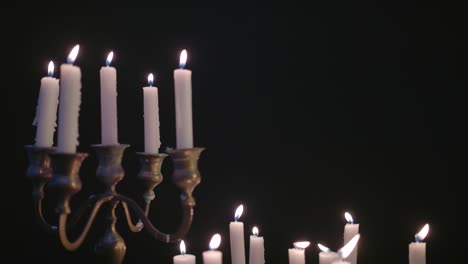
<point>212,256</point>
<point>297,254</point>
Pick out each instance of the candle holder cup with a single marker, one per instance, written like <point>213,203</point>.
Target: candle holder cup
<point>61,171</point>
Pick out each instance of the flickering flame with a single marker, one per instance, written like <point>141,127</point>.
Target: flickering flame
<point>348,248</point>
<point>238,212</point>
<point>301,244</point>
<point>323,248</point>
<point>183,59</point>
<point>109,58</point>
<point>349,218</point>
<point>50,69</point>
<point>215,241</point>
<point>150,79</point>
<point>182,247</point>
<point>423,233</point>
<point>72,57</point>
<point>255,231</point>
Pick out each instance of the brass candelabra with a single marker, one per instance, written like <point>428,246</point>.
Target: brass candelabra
<point>61,174</point>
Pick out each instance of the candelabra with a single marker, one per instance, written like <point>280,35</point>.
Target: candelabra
<point>61,172</point>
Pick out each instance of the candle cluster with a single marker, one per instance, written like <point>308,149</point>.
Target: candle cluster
<point>65,94</point>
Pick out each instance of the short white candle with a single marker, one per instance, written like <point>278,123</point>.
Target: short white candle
<point>417,250</point>
<point>213,256</point>
<point>257,249</point>
<point>297,254</point>
<point>151,116</point>
<point>350,230</point>
<point>184,258</point>
<point>236,236</point>
<point>346,250</point>
<point>69,104</point>
<point>183,104</point>
<point>326,256</point>
<point>46,111</point>
<point>108,77</point>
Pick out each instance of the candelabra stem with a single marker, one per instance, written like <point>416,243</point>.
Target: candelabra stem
<point>133,227</point>
<point>111,247</point>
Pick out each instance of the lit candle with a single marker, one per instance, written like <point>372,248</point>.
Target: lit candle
<point>236,236</point>
<point>46,111</point>
<point>257,250</point>
<point>108,76</point>
<point>351,229</point>
<point>184,258</point>
<point>297,254</point>
<point>70,100</point>
<point>417,250</point>
<point>213,256</point>
<point>183,104</point>
<point>326,256</point>
<point>346,250</point>
<point>151,116</point>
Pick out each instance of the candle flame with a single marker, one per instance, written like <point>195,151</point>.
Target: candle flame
<point>301,244</point>
<point>215,241</point>
<point>183,59</point>
<point>423,233</point>
<point>348,218</point>
<point>109,58</point>
<point>50,69</point>
<point>150,79</point>
<point>345,251</point>
<point>238,212</point>
<point>73,54</point>
<point>323,248</point>
<point>182,247</point>
<point>255,231</point>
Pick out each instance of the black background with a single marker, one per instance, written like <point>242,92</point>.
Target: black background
<point>306,112</point>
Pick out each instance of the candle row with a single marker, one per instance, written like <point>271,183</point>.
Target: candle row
<point>68,93</point>
<point>345,255</point>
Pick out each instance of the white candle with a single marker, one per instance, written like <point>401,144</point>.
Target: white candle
<point>327,256</point>
<point>346,250</point>
<point>184,258</point>
<point>46,111</point>
<point>183,104</point>
<point>108,77</point>
<point>257,249</point>
<point>297,254</point>
<point>236,236</point>
<point>151,116</point>
<point>417,250</point>
<point>213,256</point>
<point>350,230</point>
<point>70,100</point>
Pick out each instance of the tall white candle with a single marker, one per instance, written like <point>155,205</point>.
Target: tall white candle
<point>297,254</point>
<point>326,256</point>
<point>350,230</point>
<point>346,250</point>
<point>257,249</point>
<point>236,236</point>
<point>183,104</point>
<point>213,256</point>
<point>151,116</point>
<point>184,258</point>
<point>46,111</point>
<point>417,250</point>
<point>69,108</point>
<point>108,76</point>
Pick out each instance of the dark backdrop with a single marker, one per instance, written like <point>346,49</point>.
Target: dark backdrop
<point>306,112</point>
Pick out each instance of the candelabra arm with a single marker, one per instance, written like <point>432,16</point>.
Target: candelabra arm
<point>37,203</point>
<point>73,245</point>
<point>187,216</point>
<point>134,228</point>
